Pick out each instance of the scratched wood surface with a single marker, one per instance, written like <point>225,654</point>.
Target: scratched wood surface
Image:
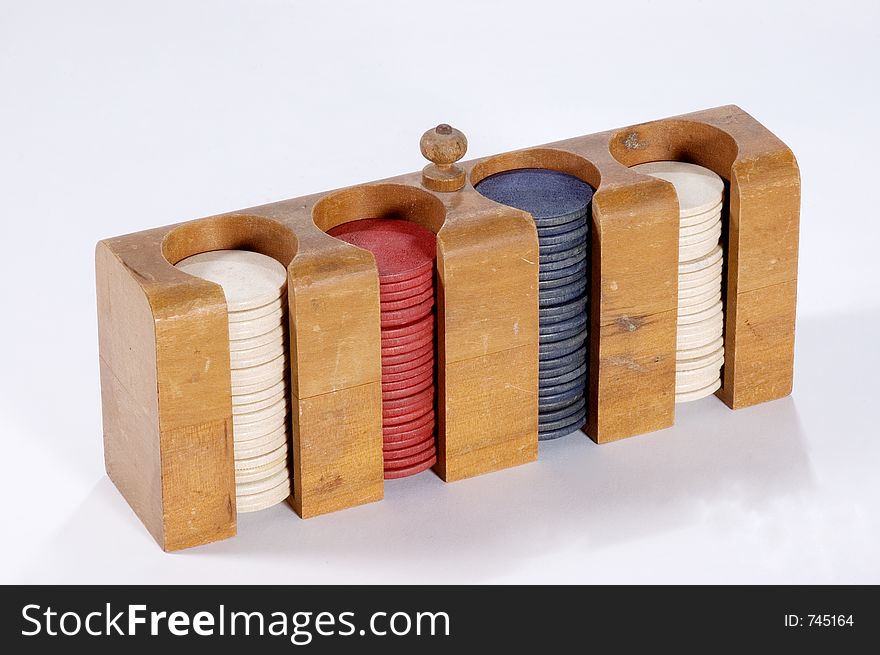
<point>164,348</point>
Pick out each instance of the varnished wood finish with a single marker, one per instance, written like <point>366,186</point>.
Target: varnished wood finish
<point>164,347</point>
<point>443,146</point>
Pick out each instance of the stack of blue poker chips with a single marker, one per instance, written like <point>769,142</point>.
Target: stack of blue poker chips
<point>560,206</point>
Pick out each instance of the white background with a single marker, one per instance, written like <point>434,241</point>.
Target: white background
<point>120,116</point>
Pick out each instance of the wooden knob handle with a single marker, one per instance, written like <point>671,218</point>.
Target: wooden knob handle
<point>443,146</point>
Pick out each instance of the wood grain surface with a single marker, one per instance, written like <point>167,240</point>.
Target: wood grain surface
<point>165,355</point>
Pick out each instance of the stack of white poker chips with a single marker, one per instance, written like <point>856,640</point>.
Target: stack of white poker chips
<point>700,336</point>
<point>255,287</point>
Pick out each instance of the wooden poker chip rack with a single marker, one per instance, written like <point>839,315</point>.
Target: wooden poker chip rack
<point>164,351</point>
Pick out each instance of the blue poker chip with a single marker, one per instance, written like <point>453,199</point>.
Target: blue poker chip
<point>573,329</point>
<point>565,430</point>
<point>574,367</point>
<point>578,281</point>
<point>548,403</point>
<point>574,237</point>
<point>551,365</point>
<point>559,348</point>
<point>575,419</point>
<point>546,267</point>
<point>551,197</point>
<point>564,412</point>
<point>578,321</point>
<point>562,294</point>
<point>552,377</point>
<point>561,336</point>
<point>545,285</point>
<point>566,249</point>
<point>562,255</point>
<point>577,267</point>
<point>579,382</point>
<point>562,377</point>
<point>562,311</point>
<point>562,228</point>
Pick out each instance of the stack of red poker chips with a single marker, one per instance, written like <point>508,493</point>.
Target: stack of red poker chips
<point>405,254</point>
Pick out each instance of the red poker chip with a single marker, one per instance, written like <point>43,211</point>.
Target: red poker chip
<point>409,411</point>
<point>391,378</point>
<point>405,294</point>
<point>396,474</point>
<point>403,439</point>
<point>408,366</point>
<point>408,329</point>
<point>402,249</point>
<point>408,315</point>
<point>406,286</point>
<point>407,415</point>
<point>394,421</point>
<point>404,462</point>
<point>418,436</point>
<point>426,372</point>
<point>416,336</point>
<point>414,388</point>
<point>406,429</point>
<point>391,407</point>
<point>409,451</point>
<point>405,303</point>
<point>408,355</point>
<point>411,347</point>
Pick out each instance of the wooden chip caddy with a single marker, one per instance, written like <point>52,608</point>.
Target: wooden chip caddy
<point>164,352</point>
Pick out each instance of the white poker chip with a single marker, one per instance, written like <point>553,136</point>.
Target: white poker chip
<point>697,342</point>
<point>693,353</point>
<point>242,399</point>
<point>249,279</point>
<point>698,339</point>
<point>696,265</point>
<point>264,500</point>
<point>264,484</point>
<point>260,312</point>
<point>712,232</point>
<point>262,460</point>
<point>243,451</point>
<point>700,329</point>
<point>247,408</point>
<point>241,359</point>
<point>698,189</point>
<point>701,290</point>
<point>275,335</point>
<point>261,439</point>
<point>256,390</point>
<point>689,300</point>
<point>255,288</point>
<point>253,375</point>
<point>690,280</point>
<point>260,472</point>
<point>699,393</point>
<point>715,357</point>
<point>696,250</point>
<point>690,329</point>
<point>247,431</point>
<point>697,384</point>
<point>256,356</point>
<point>696,317</point>
<point>699,223</point>
<point>239,331</point>
<point>696,379</point>
<point>692,297</point>
<point>280,406</point>
<point>697,305</point>
<point>702,217</point>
